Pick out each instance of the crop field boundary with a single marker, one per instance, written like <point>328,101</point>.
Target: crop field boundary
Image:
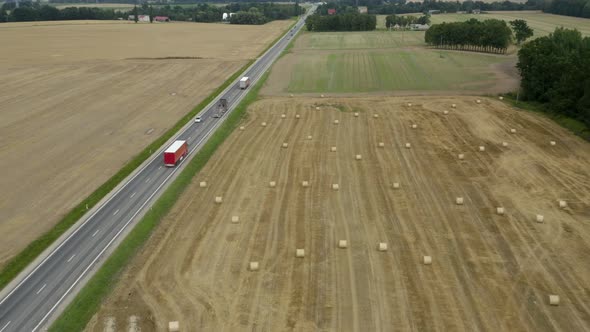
<point>33,251</point>
<point>76,316</point>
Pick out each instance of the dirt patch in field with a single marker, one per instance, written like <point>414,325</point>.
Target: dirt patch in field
<point>74,110</point>
<point>489,272</point>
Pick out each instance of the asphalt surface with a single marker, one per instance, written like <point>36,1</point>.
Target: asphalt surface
<point>30,305</point>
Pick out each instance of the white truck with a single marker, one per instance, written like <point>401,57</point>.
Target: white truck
<point>244,82</point>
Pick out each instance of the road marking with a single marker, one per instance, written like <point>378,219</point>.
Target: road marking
<point>133,194</point>
<point>93,235</point>
<point>189,138</point>
<point>70,259</point>
<point>5,326</point>
<point>114,214</point>
<point>40,289</point>
<point>159,167</point>
<point>148,180</point>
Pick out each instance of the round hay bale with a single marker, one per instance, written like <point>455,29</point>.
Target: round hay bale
<point>317,108</point>
<point>461,156</point>
<point>297,116</point>
<point>482,148</point>
<point>173,326</point>
<point>305,184</point>
<point>299,253</point>
<point>356,114</point>
<point>321,96</point>
<point>478,101</point>
<point>445,112</point>
<point>501,98</point>
<point>396,185</point>
<point>504,144</point>
<point>358,157</point>
<point>408,145</point>
<point>291,95</point>
<point>333,149</point>
<point>553,143</point>
<point>283,116</point>
<point>375,115</point>
<point>540,218</point>
<point>241,127</point>
<point>381,144</point>
<point>409,104</point>
<point>336,121</point>
<point>554,300</point>
<point>254,266</point>
<point>459,200</point>
<point>414,126</point>
<point>500,210</point>
<point>263,124</point>
<point>453,105</point>
<point>342,244</point>
<point>203,184</point>
<point>427,260</point>
<point>512,130</point>
<point>272,184</point>
<point>218,199</point>
<point>382,246</point>
<point>285,145</point>
<point>335,186</point>
<point>309,137</point>
<point>235,219</point>
<point>562,204</point>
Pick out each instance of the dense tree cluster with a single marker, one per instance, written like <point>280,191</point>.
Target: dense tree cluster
<point>578,8</point>
<point>404,21</point>
<point>29,11</point>
<point>341,22</point>
<point>555,70</point>
<point>491,35</point>
<point>402,7</point>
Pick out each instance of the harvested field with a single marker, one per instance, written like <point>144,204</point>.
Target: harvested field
<point>486,271</point>
<point>80,100</point>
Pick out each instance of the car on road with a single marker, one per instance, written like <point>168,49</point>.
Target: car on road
<point>198,119</point>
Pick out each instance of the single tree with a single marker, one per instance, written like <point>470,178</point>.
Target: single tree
<point>522,31</point>
<point>151,14</point>
<point>135,14</point>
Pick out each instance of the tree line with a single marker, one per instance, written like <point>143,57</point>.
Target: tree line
<point>341,22</point>
<point>577,8</point>
<point>555,71</point>
<point>404,21</point>
<point>492,36</point>
<point>402,7</point>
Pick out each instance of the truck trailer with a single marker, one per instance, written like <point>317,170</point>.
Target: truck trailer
<point>244,82</point>
<point>175,153</point>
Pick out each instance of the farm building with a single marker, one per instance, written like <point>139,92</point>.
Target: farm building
<point>140,18</point>
<point>331,11</point>
<point>419,27</point>
<point>362,9</point>
<point>162,19</point>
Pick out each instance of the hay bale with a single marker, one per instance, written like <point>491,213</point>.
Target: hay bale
<point>461,156</point>
<point>283,116</point>
<point>299,253</point>
<point>504,144</point>
<point>409,104</point>
<point>242,128</point>
<point>358,157</point>
<point>322,96</point>
<point>453,105</point>
<point>356,114</point>
<point>382,246</point>
<point>272,184</point>
<point>297,116</point>
<point>336,121</point>
<point>309,137</point>
<point>513,131</point>
<point>263,124</point>
<point>562,204</point>
<point>218,199</point>
<point>445,112</point>
<point>342,244</point>
<point>482,148</point>
<point>396,185</point>
<point>500,210</point>
<point>554,300</point>
<point>317,108</point>
<point>333,149</point>
<point>553,143</point>
<point>501,98</point>
<point>285,145</point>
<point>427,260</point>
<point>381,144</point>
<point>235,219</point>
<point>291,95</point>
<point>203,184</point>
<point>305,184</point>
<point>414,126</point>
<point>478,101</point>
<point>173,326</point>
<point>335,186</point>
<point>408,145</point>
<point>459,200</point>
<point>375,115</point>
<point>540,218</point>
<point>254,266</point>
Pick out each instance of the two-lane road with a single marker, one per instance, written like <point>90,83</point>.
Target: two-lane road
<point>32,303</point>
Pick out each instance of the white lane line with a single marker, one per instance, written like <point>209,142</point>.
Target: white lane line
<point>70,259</point>
<point>114,214</point>
<point>41,289</point>
<point>5,326</point>
<point>133,194</point>
<point>159,167</point>
<point>93,235</point>
<point>189,138</point>
<point>148,180</point>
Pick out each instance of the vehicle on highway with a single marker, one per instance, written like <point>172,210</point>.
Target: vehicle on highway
<point>221,108</point>
<point>175,153</point>
<point>244,82</point>
<point>198,119</point>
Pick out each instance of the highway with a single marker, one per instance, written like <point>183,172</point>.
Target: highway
<point>33,303</point>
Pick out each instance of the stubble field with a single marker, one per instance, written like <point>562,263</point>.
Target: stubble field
<point>489,271</point>
<point>80,99</point>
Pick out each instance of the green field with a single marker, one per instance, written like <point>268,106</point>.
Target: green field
<point>361,40</point>
<point>383,71</point>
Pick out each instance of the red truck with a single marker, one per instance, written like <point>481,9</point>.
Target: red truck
<point>175,153</point>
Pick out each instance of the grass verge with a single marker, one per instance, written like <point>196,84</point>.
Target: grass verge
<point>87,302</point>
<point>575,126</point>
<point>35,248</point>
